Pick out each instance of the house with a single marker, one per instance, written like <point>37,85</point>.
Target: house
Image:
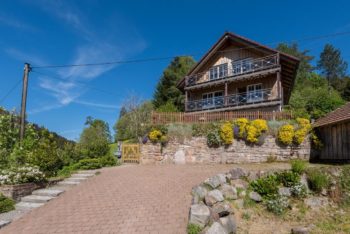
<point>239,74</point>
<point>334,133</point>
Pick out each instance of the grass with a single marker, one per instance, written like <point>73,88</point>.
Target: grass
<point>6,204</point>
<point>193,229</point>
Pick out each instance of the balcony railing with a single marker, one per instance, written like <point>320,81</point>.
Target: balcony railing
<point>239,99</point>
<point>240,67</point>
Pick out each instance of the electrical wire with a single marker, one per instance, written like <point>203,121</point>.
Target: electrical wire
<point>10,91</point>
<point>171,57</point>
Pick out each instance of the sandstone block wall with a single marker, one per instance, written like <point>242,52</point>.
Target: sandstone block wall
<point>196,150</point>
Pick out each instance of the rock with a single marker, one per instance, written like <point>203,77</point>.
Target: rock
<point>255,196</point>
<point>239,203</point>
<point>216,180</point>
<point>179,157</point>
<point>316,202</point>
<point>228,191</point>
<point>300,230</point>
<point>284,191</point>
<point>216,228</point>
<point>199,191</point>
<point>229,223</point>
<point>222,209</point>
<point>303,181</point>
<point>199,215</point>
<point>213,197</point>
<point>237,173</point>
<point>242,194</point>
<point>324,192</point>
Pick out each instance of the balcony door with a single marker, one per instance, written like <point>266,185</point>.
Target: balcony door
<point>213,100</point>
<point>254,93</point>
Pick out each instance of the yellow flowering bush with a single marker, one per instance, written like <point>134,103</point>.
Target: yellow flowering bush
<point>252,134</point>
<point>241,123</point>
<point>316,140</point>
<point>304,123</point>
<point>286,134</point>
<point>155,135</point>
<point>299,135</point>
<point>254,130</point>
<point>226,133</point>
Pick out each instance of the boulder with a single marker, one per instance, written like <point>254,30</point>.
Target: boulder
<point>284,191</point>
<point>229,224</point>
<point>213,197</point>
<point>199,191</point>
<point>316,202</point>
<point>239,183</point>
<point>216,228</point>
<point>228,191</point>
<point>255,196</point>
<point>222,209</point>
<point>199,215</point>
<point>216,180</point>
<point>237,173</point>
<point>179,157</point>
<point>300,230</point>
<point>303,181</point>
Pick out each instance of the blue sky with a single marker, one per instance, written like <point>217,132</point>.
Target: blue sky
<point>65,32</point>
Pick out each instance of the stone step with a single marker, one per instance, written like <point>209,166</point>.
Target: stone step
<point>28,205</point>
<point>3,223</point>
<point>67,182</point>
<point>76,179</point>
<point>36,199</point>
<point>84,175</point>
<point>48,192</point>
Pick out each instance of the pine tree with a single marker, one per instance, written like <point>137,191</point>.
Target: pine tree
<point>166,90</point>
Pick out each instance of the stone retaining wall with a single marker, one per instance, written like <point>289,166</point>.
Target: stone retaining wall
<point>196,150</point>
<point>19,190</point>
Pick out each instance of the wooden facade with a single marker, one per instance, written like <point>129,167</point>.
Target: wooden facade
<point>239,74</point>
<point>334,132</point>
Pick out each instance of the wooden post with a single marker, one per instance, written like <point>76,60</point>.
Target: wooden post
<point>226,94</point>
<point>186,99</point>
<point>24,101</point>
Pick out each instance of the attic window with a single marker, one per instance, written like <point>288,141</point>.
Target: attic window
<point>218,71</point>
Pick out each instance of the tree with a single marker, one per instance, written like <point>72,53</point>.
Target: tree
<point>95,139</point>
<point>332,66</point>
<point>166,90</point>
<point>135,123</point>
<point>168,107</point>
<point>305,66</point>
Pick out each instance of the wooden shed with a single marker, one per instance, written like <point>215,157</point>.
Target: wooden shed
<point>334,132</point>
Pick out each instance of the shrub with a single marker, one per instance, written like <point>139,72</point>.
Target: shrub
<point>21,175</point>
<point>266,186</point>
<point>155,135</point>
<point>315,140</point>
<point>108,161</point>
<point>298,190</point>
<point>252,134</point>
<point>67,171</point>
<point>304,123</point>
<point>277,205</point>
<point>345,185</point>
<point>6,204</point>
<point>89,164</point>
<point>213,139</point>
<point>286,134</point>
<point>260,125</point>
<point>193,229</point>
<point>226,133</point>
<point>298,166</point>
<point>241,123</point>
<point>299,136</point>
<point>274,126</point>
<point>317,180</point>
<point>180,132</point>
<point>288,178</point>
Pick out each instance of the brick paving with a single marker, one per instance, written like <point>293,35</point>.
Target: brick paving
<point>125,199</point>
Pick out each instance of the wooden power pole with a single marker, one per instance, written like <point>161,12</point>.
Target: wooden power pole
<point>24,100</point>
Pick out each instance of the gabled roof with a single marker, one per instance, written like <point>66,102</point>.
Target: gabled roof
<point>336,116</point>
<point>287,60</point>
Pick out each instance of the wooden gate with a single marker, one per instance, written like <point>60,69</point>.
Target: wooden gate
<point>131,153</point>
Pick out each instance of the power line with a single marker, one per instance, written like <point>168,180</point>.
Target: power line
<point>171,57</point>
<point>10,91</point>
<point>77,82</point>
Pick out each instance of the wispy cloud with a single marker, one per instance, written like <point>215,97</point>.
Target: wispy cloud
<point>99,105</point>
<point>44,108</point>
<point>15,23</point>
<point>24,57</point>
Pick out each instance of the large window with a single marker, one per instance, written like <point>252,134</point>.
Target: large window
<point>218,72</point>
<point>254,93</point>
<point>214,99</point>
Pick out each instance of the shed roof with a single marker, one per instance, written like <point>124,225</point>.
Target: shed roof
<point>338,115</point>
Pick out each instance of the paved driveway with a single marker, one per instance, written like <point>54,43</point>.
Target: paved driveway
<point>126,199</point>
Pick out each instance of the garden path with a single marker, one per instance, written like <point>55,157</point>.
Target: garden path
<point>124,199</point>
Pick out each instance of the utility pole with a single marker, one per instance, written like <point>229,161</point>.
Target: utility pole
<point>27,69</point>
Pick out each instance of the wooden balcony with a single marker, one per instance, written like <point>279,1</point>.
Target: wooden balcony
<point>236,69</point>
<point>239,100</point>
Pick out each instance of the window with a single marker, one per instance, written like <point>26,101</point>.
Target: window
<point>218,72</point>
<point>214,99</point>
<point>254,93</point>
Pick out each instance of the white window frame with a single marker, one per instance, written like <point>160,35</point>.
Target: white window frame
<point>214,72</point>
<point>255,93</point>
<point>206,106</point>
